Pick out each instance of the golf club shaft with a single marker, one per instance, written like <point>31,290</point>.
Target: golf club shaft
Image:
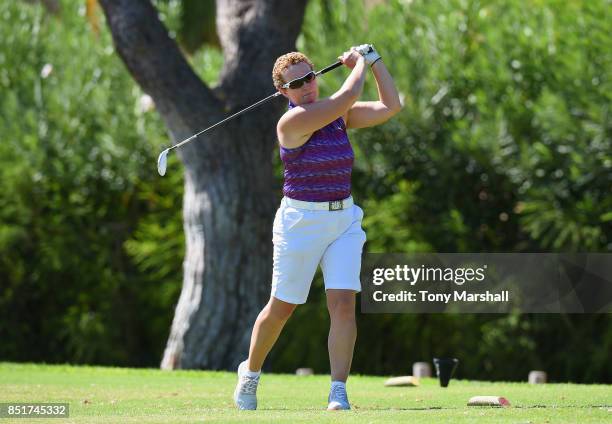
<point>187,140</point>
<point>329,68</point>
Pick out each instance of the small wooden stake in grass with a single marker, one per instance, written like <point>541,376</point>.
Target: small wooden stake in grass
<point>406,380</point>
<point>537,377</point>
<point>421,369</point>
<point>304,371</point>
<point>488,401</point>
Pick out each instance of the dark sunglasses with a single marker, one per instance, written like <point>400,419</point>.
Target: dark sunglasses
<point>299,82</point>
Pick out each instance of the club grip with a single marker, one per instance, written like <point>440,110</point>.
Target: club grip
<point>330,67</point>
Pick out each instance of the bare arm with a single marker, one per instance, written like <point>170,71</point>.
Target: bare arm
<point>296,125</point>
<point>368,114</point>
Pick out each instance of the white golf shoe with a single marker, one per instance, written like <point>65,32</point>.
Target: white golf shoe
<point>338,399</point>
<point>245,395</point>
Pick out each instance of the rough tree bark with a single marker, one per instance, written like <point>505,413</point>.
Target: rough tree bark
<point>229,199</point>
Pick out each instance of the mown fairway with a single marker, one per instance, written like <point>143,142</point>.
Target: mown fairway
<point>123,395</point>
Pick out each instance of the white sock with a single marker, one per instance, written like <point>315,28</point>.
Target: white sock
<point>342,384</point>
<point>250,373</point>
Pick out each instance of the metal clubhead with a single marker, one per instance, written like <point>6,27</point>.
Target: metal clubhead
<point>161,162</point>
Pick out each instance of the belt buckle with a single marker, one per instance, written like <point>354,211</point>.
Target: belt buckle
<point>335,205</point>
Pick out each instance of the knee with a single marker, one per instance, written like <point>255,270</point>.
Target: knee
<point>284,314</point>
<point>279,312</point>
<point>342,309</point>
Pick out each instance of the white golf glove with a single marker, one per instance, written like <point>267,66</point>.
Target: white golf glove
<point>369,53</point>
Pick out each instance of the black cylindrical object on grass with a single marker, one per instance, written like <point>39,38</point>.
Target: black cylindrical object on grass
<point>445,368</point>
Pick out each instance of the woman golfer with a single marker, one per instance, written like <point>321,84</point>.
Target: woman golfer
<point>317,222</point>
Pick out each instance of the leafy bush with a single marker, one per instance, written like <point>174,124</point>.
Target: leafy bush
<point>78,170</point>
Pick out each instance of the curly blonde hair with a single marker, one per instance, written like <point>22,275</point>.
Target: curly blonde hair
<point>283,62</point>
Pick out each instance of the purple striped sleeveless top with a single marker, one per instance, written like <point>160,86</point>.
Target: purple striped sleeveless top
<point>320,169</point>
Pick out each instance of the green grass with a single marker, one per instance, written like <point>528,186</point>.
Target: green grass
<point>125,395</point>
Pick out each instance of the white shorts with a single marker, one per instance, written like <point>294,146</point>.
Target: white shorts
<point>305,238</point>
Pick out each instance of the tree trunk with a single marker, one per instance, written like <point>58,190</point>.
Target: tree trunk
<point>229,200</point>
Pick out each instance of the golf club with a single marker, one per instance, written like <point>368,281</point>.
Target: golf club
<point>161,160</point>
